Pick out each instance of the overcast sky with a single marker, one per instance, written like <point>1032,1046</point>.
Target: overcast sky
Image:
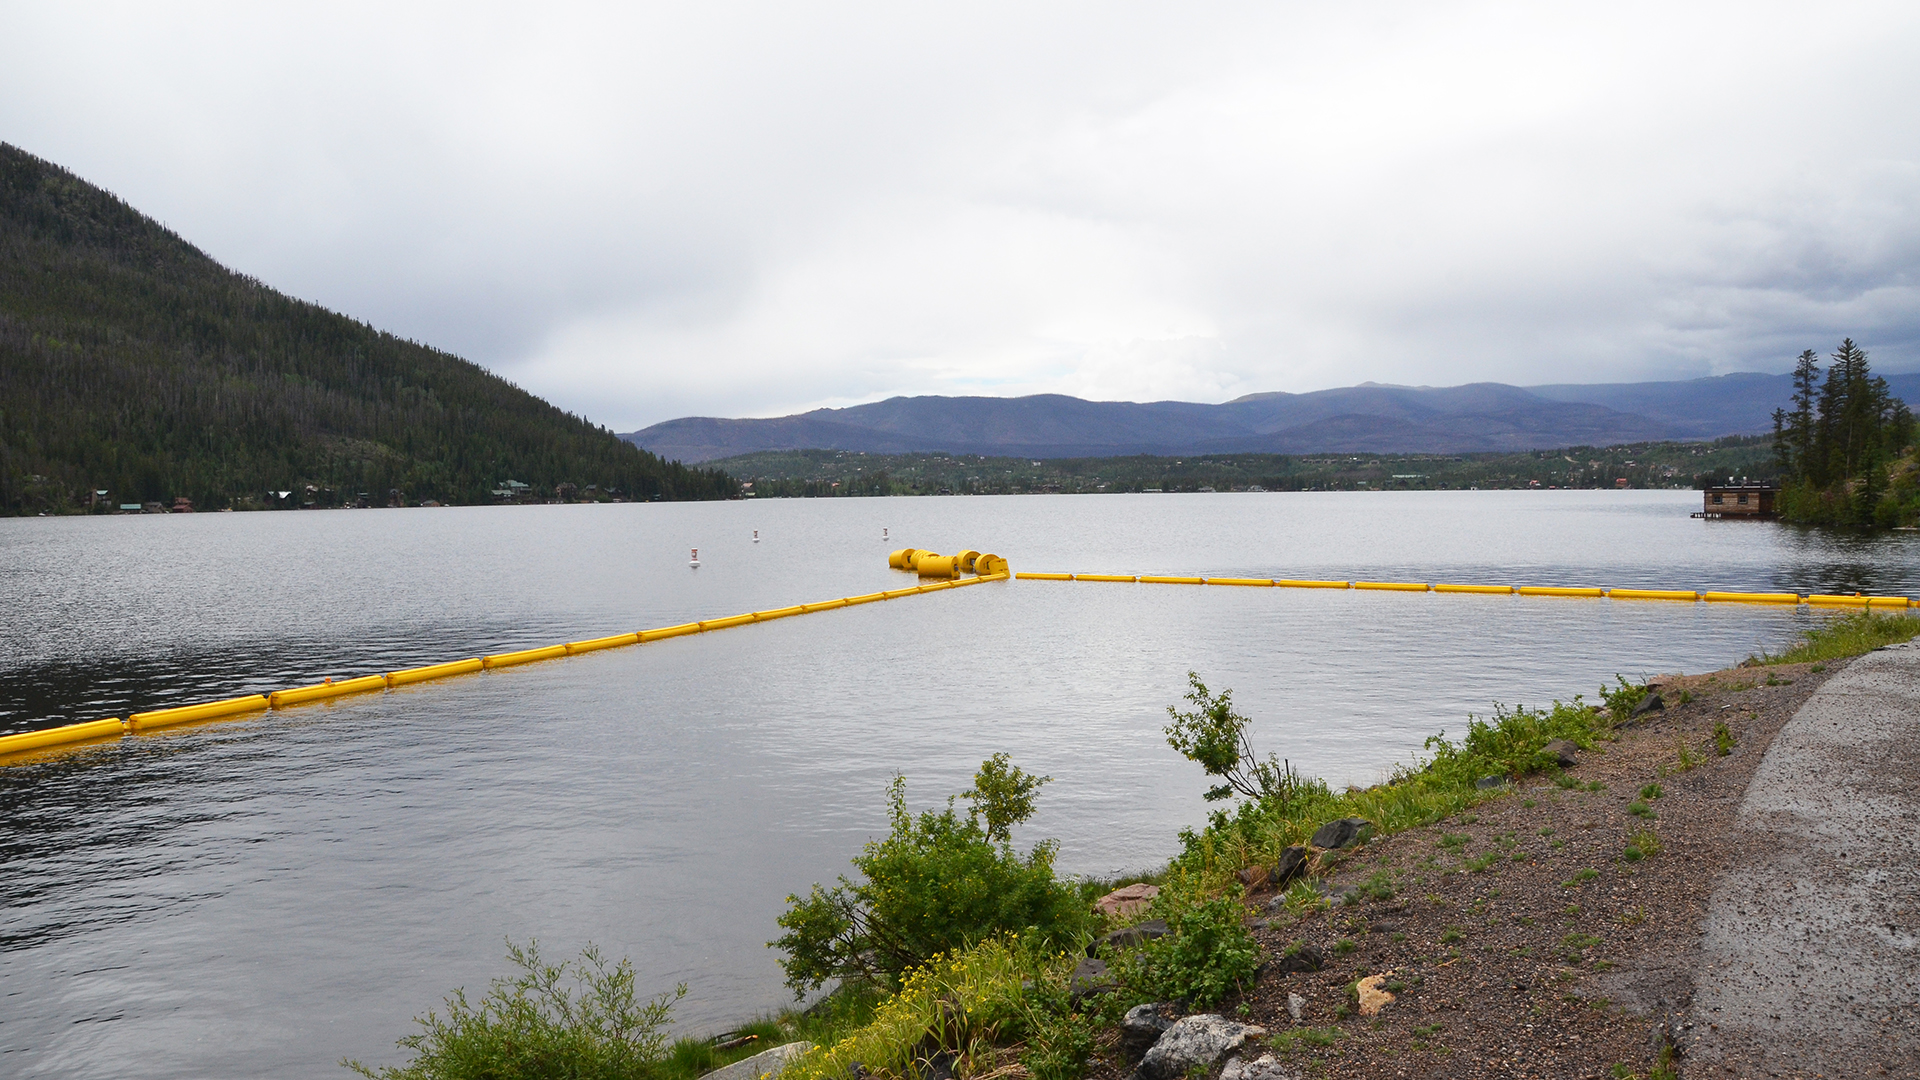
<point>650,211</point>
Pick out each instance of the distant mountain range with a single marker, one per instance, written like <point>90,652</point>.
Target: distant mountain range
<point>1369,418</point>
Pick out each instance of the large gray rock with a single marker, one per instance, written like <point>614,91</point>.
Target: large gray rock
<point>1090,977</point>
<point>1342,833</point>
<point>1564,752</point>
<point>1263,1067</point>
<point>1128,936</point>
<point>766,1063</point>
<point>1650,703</point>
<point>1142,1027</point>
<point>1293,863</point>
<point>1202,1039</point>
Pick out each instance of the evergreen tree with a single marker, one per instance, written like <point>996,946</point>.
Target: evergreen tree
<point>1836,447</point>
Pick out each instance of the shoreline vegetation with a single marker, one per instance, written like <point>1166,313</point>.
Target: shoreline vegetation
<point>1262,917</point>
<point>842,473</point>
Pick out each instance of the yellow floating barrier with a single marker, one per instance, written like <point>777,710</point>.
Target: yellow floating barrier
<point>185,714</point>
<point>824,605</point>
<point>912,559</point>
<point>1240,581</point>
<point>997,575</point>
<point>59,736</point>
<point>936,586</point>
<point>1391,586</point>
<point>1106,577</point>
<point>938,566</point>
<point>779,613</point>
<point>433,671</point>
<point>1289,583</point>
<point>574,648</point>
<point>1839,601</point>
<point>1555,590</point>
<point>366,684</point>
<point>1687,595</point>
<point>524,656</point>
<point>1750,597</point>
<point>898,559</point>
<point>1888,601</point>
<point>965,560</point>
<point>1026,576</point>
<point>895,594</point>
<point>987,565</point>
<point>1491,590</point>
<point>1161,579</point>
<point>867,598</point>
<point>669,632</point>
<point>729,621</point>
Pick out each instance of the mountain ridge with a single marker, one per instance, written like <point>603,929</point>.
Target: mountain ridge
<point>133,364</point>
<point>1367,418</point>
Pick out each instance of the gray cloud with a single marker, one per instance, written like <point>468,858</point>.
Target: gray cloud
<point>748,209</point>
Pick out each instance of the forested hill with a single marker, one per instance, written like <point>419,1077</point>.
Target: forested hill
<point>130,362</point>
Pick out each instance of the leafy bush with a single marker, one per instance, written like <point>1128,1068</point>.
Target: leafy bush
<point>1215,737</point>
<point>1206,952</point>
<point>1620,700</point>
<point>576,1020</point>
<point>938,882</point>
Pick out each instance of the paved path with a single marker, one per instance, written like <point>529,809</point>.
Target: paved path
<point>1810,960</point>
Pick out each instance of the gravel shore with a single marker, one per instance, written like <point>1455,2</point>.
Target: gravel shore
<point>1554,932</point>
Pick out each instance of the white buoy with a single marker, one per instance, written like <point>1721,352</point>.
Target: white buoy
<point>883,536</point>
<point>695,561</point>
<point>756,536</point>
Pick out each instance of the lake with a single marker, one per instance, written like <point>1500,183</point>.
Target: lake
<point>266,896</point>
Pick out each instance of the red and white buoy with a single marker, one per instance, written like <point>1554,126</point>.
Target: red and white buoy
<point>695,561</point>
<point>756,536</point>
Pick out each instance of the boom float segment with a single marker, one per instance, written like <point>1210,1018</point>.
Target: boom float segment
<point>186,714</point>
<point>406,676</point>
<point>1687,595</point>
<point>1391,586</point>
<point>1750,597</point>
<point>1490,590</point>
<point>329,689</point>
<point>61,736</point>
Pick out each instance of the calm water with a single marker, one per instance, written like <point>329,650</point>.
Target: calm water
<point>266,896</point>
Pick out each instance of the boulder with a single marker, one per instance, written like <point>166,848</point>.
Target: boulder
<point>1142,1027</point>
<point>1090,976</point>
<point>1253,876</point>
<point>1489,783</point>
<point>1128,936</point>
<point>1296,1005</point>
<point>1127,901</point>
<point>763,1064</point>
<point>1293,863</point>
<point>1199,1040</point>
<point>1650,703</point>
<point>1564,752</point>
<point>1342,833</point>
<point>1303,957</point>
<point>1263,1067</point>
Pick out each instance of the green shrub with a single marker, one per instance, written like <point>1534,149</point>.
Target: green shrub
<point>1213,736</point>
<point>1206,952</point>
<point>1722,739</point>
<point>937,883</point>
<point>1620,700</point>
<point>576,1020</point>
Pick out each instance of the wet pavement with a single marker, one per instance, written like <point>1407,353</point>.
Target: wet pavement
<point>1810,959</point>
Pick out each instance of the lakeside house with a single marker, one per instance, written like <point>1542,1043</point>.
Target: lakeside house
<point>1738,501</point>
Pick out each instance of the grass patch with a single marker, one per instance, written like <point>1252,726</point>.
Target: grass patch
<point>1722,739</point>
<point>1305,1038</point>
<point>1847,635</point>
